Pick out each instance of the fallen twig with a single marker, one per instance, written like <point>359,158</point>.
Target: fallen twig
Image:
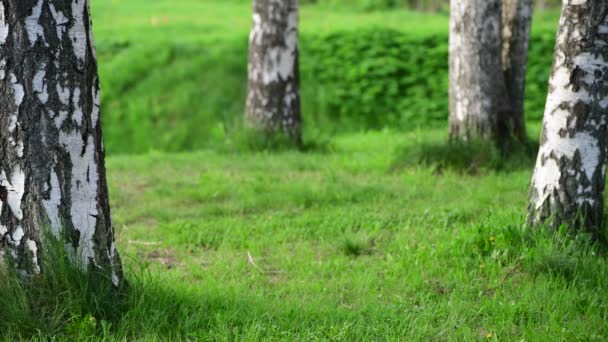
<point>250,259</point>
<point>505,277</point>
<point>144,243</point>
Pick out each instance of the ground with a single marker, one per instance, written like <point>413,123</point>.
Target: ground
<point>344,243</point>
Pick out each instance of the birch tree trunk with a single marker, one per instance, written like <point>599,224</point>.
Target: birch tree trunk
<point>488,55</point>
<point>569,178</point>
<point>52,171</point>
<point>517,22</point>
<point>273,97</point>
<point>477,85</point>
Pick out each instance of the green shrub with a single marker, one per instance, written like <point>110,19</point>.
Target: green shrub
<point>175,97</point>
<point>378,78</point>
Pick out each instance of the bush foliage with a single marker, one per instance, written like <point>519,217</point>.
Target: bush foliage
<point>379,78</point>
<point>175,97</point>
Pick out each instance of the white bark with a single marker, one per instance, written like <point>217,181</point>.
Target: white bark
<point>273,97</point>
<point>52,170</point>
<point>476,82</point>
<point>569,178</point>
<point>488,56</point>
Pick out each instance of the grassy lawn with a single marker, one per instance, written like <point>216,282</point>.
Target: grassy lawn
<point>345,245</point>
<point>349,242</point>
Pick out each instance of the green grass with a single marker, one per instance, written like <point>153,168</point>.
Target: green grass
<point>213,20</point>
<point>217,20</point>
<point>339,244</point>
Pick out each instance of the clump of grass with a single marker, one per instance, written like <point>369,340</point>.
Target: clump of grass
<point>65,302</point>
<point>61,298</point>
<point>252,140</point>
<point>472,157</point>
<point>355,246</point>
<point>575,258</point>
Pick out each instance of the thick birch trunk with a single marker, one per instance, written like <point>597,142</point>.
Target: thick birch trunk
<point>488,55</point>
<point>273,98</point>
<point>517,22</point>
<point>569,179</point>
<point>52,171</point>
<point>476,78</point>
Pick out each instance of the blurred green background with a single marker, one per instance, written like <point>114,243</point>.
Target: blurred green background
<point>174,72</point>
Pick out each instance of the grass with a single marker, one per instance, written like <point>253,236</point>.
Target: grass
<point>212,20</point>
<point>471,158</point>
<point>61,300</point>
<point>215,21</point>
<point>339,245</point>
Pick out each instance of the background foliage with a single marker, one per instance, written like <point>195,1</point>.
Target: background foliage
<point>419,5</point>
<point>177,96</point>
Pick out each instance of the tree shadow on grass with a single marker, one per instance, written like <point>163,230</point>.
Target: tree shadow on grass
<point>65,303</point>
<point>240,139</point>
<point>472,158</point>
<point>72,305</point>
<point>154,309</point>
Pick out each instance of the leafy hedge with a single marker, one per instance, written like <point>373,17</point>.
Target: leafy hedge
<point>378,78</point>
<point>177,97</point>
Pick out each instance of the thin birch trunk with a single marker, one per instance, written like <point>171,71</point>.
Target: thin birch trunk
<point>273,97</point>
<point>517,22</point>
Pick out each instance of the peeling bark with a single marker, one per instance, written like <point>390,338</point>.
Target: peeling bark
<point>569,178</point>
<point>52,169</point>
<point>273,97</point>
<point>488,55</point>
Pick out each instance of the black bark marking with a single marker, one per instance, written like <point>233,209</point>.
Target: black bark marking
<point>3,194</point>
